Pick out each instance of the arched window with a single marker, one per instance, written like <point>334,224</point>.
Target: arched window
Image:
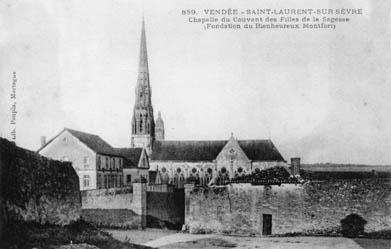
<point>223,170</point>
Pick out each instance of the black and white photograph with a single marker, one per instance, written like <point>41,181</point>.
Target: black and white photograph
<point>130,124</point>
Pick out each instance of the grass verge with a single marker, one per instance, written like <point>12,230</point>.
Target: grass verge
<point>20,235</point>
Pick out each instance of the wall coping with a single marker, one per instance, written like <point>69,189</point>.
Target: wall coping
<point>108,191</point>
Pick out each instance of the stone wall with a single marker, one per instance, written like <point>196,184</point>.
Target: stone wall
<point>35,188</point>
<point>310,208</point>
<point>112,198</point>
<point>165,209</point>
<point>112,218</point>
<point>116,207</point>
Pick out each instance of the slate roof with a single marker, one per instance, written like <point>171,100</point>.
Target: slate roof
<point>192,151</point>
<point>131,156</point>
<point>94,142</point>
<point>186,150</point>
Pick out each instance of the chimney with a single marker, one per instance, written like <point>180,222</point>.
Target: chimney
<point>295,166</point>
<point>43,141</point>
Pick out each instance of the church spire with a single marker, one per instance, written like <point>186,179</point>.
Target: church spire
<point>143,124</point>
<point>143,85</point>
<point>143,59</point>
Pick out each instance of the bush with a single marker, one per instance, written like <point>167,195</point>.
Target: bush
<point>352,225</point>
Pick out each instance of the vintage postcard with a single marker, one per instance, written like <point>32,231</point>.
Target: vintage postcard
<point>195,124</point>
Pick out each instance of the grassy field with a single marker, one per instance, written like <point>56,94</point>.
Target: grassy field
<point>32,235</point>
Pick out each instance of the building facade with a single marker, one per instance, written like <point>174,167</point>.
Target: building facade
<point>95,161</point>
<point>206,161</point>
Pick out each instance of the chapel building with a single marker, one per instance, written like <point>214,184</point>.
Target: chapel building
<point>174,161</point>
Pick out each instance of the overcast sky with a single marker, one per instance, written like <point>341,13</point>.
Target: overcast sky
<point>324,96</point>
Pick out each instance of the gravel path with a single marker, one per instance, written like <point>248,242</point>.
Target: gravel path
<point>177,238</point>
<point>168,239</point>
<point>180,240</point>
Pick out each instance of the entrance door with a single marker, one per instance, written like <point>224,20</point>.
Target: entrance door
<point>267,224</point>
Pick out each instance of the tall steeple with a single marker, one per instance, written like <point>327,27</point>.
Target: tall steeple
<point>143,124</point>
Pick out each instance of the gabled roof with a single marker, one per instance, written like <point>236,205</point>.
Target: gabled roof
<point>193,151</point>
<point>94,142</point>
<point>131,156</point>
<point>186,150</point>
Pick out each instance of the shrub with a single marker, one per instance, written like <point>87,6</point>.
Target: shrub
<point>352,225</point>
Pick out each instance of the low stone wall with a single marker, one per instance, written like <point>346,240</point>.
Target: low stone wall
<point>116,207</point>
<point>310,208</point>
<point>165,209</point>
<point>35,188</point>
<point>112,198</point>
<point>112,218</point>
